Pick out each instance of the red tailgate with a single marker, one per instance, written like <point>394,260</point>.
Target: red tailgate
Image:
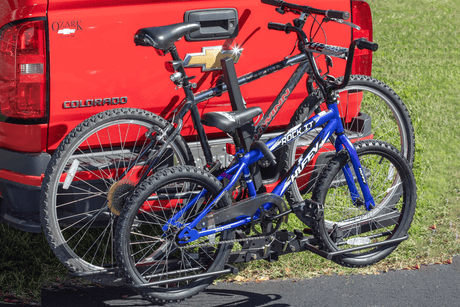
<point>93,57</point>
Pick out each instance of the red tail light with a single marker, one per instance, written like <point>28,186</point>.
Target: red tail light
<point>23,70</point>
<point>361,16</point>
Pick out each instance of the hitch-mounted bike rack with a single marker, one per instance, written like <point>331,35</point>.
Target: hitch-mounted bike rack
<point>268,248</point>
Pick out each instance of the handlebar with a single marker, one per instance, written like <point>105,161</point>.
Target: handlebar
<point>361,43</point>
<point>295,8</point>
<point>279,26</point>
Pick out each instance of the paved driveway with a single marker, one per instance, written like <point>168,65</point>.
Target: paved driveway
<point>434,286</point>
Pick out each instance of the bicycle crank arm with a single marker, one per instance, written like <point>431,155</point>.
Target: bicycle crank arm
<point>246,207</point>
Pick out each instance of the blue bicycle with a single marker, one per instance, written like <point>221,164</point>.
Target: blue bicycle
<point>182,227</point>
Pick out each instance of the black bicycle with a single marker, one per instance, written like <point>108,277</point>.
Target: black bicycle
<point>104,158</point>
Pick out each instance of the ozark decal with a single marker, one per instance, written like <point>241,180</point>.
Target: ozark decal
<point>67,28</point>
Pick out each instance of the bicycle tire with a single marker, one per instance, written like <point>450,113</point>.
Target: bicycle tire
<point>75,218</point>
<point>364,100</point>
<point>140,228</point>
<point>346,224</point>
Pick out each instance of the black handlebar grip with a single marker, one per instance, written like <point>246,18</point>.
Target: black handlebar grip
<point>337,14</point>
<point>277,26</point>
<point>364,44</point>
<point>272,2</point>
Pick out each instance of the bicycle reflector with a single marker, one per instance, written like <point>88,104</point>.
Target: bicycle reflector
<point>160,52</point>
<point>169,67</point>
<point>23,70</point>
<point>230,148</point>
<point>173,66</point>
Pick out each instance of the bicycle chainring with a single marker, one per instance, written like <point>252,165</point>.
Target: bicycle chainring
<point>265,225</point>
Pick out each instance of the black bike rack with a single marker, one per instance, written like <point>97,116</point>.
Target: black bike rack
<point>228,270</point>
<point>267,248</point>
<point>93,273</point>
<point>246,132</point>
<point>285,242</point>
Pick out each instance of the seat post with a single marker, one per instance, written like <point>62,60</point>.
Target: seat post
<point>176,57</point>
<point>194,112</point>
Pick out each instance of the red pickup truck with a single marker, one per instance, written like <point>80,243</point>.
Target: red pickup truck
<point>62,61</point>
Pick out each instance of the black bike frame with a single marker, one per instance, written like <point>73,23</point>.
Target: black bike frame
<point>300,59</point>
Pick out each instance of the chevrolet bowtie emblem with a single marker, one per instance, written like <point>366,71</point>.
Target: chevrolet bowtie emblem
<point>209,58</point>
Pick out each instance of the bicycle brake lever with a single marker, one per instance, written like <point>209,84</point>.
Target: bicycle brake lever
<point>280,11</point>
<point>344,22</point>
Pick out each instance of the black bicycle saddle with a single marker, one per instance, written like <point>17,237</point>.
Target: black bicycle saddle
<point>165,36</point>
<point>230,121</point>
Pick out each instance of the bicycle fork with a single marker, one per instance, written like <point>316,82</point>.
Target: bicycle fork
<point>342,141</point>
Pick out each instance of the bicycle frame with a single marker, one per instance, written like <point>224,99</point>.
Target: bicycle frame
<point>332,124</point>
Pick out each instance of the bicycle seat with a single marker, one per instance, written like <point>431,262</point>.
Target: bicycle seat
<point>165,36</point>
<point>230,121</point>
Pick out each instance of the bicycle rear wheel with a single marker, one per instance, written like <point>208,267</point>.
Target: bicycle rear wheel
<point>83,193</point>
<point>369,110</point>
<point>147,253</point>
<point>347,224</point>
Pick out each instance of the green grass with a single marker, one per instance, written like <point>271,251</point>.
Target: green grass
<point>419,58</point>
<point>26,263</point>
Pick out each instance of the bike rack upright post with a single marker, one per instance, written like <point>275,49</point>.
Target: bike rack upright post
<point>246,132</point>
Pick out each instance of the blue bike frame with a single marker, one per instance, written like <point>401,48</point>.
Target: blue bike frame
<point>332,124</point>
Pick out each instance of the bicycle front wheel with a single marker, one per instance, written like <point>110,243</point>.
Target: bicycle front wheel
<point>369,109</point>
<point>83,191</point>
<point>346,224</point>
<point>149,252</point>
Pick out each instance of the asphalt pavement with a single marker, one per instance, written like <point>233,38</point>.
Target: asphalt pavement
<point>432,285</point>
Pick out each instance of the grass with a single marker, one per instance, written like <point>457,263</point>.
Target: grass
<point>26,263</point>
<point>419,58</point>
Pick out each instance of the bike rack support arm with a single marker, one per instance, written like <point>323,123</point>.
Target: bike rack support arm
<point>229,269</point>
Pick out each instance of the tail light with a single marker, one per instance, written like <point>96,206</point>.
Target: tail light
<point>361,16</point>
<point>23,70</point>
